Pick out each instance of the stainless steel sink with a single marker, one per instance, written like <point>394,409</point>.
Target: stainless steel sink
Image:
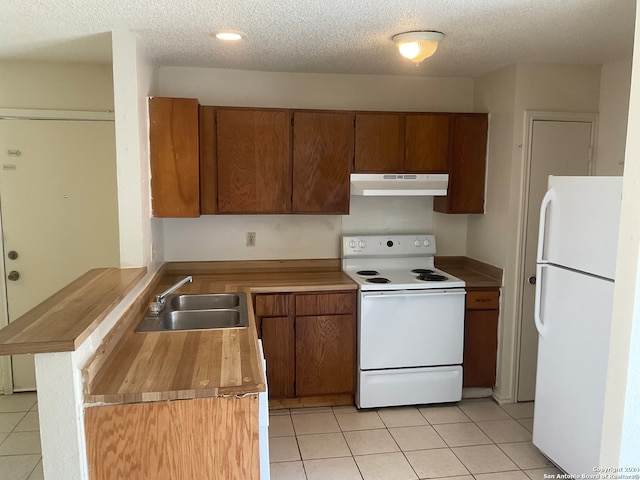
<point>203,302</point>
<point>198,312</point>
<point>200,319</point>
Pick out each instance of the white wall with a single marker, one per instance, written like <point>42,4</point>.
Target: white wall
<point>495,92</point>
<point>323,91</point>
<point>496,237</point>
<point>614,109</point>
<point>621,425</point>
<point>308,236</point>
<point>222,237</point>
<point>134,80</point>
<point>56,86</point>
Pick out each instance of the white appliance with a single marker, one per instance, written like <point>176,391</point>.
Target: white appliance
<point>410,321</point>
<point>399,185</point>
<point>577,245</point>
<point>263,423</point>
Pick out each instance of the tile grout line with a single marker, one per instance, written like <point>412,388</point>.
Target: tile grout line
<point>387,428</point>
<point>14,431</point>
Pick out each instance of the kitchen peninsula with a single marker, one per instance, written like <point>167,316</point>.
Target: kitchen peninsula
<point>139,382</point>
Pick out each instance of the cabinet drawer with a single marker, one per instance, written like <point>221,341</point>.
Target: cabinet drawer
<point>326,304</point>
<point>272,305</point>
<point>483,300</point>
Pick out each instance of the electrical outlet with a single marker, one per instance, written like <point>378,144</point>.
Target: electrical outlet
<point>251,239</point>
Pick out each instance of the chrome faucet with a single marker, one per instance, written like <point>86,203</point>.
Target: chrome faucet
<point>160,298</point>
<point>157,306</point>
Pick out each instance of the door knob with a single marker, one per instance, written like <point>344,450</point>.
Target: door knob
<point>13,276</point>
<point>12,255</point>
<point>532,280</point>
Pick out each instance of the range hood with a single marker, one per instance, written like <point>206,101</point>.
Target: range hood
<point>399,185</point>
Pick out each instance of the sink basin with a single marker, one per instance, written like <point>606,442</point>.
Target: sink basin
<point>201,319</point>
<point>204,302</point>
<point>198,312</point>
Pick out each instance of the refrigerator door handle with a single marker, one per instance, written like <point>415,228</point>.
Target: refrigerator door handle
<point>537,316</point>
<point>544,206</point>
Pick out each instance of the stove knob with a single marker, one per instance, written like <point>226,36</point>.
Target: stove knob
<point>362,244</point>
<point>427,243</point>
<point>352,244</point>
<point>389,243</point>
<point>417,243</point>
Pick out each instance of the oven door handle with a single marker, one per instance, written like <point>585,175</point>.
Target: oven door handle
<point>419,293</point>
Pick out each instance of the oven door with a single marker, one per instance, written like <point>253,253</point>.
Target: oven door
<point>410,328</point>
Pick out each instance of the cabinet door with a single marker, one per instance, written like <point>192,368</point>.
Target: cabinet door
<point>279,351</point>
<point>253,161</point>
<point>379,143</point>
<point>480,348</point>
<point>208,170</point>
<point>322,157</point>
<point>173,142</point>
<point>427,143</point>
<point>325,347</point>
<point>467,167</point>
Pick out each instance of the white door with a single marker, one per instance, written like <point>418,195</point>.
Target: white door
<point>58,200</point>
<point>557,148</point>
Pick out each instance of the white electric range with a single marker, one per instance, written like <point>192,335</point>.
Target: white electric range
<point>410,321</point>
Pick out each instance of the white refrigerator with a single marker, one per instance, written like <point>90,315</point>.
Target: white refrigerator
<point>577,245</point>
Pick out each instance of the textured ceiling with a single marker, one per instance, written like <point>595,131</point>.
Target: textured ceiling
<point>330,36</point>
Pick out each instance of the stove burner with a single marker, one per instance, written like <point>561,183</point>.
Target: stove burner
<point>378,280</point>
<point>431,277</point>
<point>422,271</point>
<point>367,273</point>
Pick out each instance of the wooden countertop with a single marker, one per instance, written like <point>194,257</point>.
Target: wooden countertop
<point>64,320</point>
<point>476,274</point>
<point>183,365</point>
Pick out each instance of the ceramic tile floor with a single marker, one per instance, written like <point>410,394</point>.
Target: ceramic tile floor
<point>473,439</point>
<point>20,457</point>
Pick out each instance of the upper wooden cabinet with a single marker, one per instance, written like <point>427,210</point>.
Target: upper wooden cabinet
<point>402,143</point>
<point>322,158</point>
<point>379,143</point>
<point>426,147</point>
<point>253,161</point>
<point>467,164</point>
<point>174,157</point>
<point>207,160</point>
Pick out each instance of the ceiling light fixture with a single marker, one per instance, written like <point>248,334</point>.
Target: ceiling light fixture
<point>229,35</point>
<point>418,45</point>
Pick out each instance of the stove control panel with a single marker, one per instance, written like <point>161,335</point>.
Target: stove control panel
<point>388,245</point>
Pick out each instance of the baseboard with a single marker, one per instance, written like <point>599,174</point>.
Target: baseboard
<point>477,392</point>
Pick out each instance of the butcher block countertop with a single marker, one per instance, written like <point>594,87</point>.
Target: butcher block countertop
<point>476,274</point>
<point>65,320</point>
<point>210,363</point>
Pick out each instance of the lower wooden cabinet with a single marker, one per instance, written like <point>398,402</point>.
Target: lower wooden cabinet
<point>324,355</point>
<point>309,342</point>
<point>212,438</point>
<point>279,344</point>
<point>481,338</point>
